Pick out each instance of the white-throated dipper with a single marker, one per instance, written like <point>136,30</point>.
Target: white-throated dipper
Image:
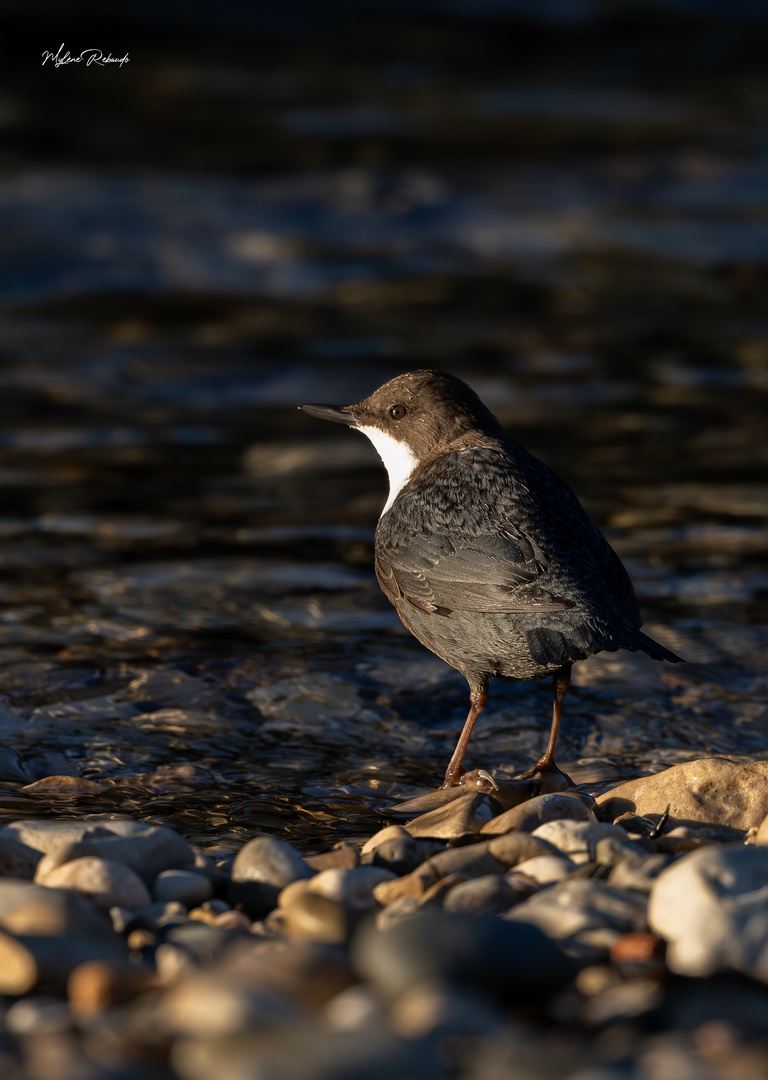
<point>487,555</point>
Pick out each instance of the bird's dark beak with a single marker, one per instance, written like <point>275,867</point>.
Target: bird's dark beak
<point>337,413</point>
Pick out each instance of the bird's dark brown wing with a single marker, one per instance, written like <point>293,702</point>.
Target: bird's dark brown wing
<point>493,572</point>
<point>487,530</point>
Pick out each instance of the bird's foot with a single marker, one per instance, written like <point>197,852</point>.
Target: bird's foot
<point>549,776</point>
<point>467,779</point>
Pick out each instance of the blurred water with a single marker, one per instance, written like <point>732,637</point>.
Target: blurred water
<point>190,630</point>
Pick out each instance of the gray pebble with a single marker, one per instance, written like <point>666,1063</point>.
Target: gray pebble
<point>638,872</point>
<point>263,867</point>
<point>573,906</point>
<point>513,961</point>
<point>546,869</point>
<point>183,885</point>
<point>487,895</point>
<point>200,940</point>
<point>402,854</point>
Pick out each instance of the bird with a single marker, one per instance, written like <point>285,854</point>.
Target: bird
<point>486,554</point>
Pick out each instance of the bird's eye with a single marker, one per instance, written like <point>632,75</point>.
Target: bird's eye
<point>397,412</point>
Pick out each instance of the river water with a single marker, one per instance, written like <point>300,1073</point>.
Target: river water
<point>190,628</point>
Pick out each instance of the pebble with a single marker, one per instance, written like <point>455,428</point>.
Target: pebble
<point>711,790</point>
<point>261,869</point>
<point>515,847</point>
<point>209,1004</point>
<point>511,961</point>
<point>95,985</point>
<point>45,834</point>
<point>310,916</point>
<point>104,882</point>
<point>402,854</point>
<point>546,869</point>
<point>472,861</point>
<point>27,960</point>
<point>577,839</point>
<point>26,908</point>
<point>711,908</point>
<point>638,872</point>
<point>572,907</point>
<point>342,856</point>
<point>487,895</point>
<point>351,888</point>
<point>183,885</point>
<point>529,815</point>
<point>383,836</point>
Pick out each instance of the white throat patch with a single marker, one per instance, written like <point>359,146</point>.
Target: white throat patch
<point>398,461</point>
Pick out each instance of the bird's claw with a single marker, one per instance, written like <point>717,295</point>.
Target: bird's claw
<point>478,776</point>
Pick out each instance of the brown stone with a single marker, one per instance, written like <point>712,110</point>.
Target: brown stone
<point>711,790</point>
<point>97,985</point>
<point>26,908</point>
<point>436,893</point>
<point>515,847</point>
<point>410,885</point>
<point>344,856</point>
<point>314,917</point>
<point>474,860</point>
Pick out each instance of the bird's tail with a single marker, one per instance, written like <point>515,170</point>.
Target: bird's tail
<point>654,650</point>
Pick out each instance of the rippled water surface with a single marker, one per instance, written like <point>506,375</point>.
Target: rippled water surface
<point>190,629</point>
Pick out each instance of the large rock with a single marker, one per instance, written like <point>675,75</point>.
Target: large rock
<point>711,906</point>
<point>708,790</point>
